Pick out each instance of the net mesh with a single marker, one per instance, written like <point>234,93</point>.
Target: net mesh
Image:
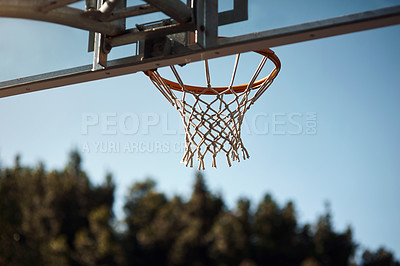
<point>213,116</point>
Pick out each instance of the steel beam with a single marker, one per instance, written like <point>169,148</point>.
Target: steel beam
<point>173,8</point>
<point>206,23</point>
<point>135,35</point>
<point>67,16</point>
<point>132,11</point>
<point>239,44</point>
<point>53,4</point>
<point>315,30</point>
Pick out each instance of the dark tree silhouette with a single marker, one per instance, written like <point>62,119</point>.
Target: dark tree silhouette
<point>142,206</point>
<point>381,257</point>
<point>56,218</point>
<point>60,218</point>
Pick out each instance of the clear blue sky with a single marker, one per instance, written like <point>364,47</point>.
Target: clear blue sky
<point>350,82</point>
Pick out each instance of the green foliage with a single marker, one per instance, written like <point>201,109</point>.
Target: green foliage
<point>56,218</point>
<point>332,248</point>
<point>381,257</point>
<point>60,218</point>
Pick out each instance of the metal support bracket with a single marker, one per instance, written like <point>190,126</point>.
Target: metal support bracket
<point>50,5</point>
<point>240,12</point>
<point>208,19</point>
<point>175,9</point>
<point>99,55</point>
<point>206,16</point>
<point>179,52</point>
<point>100,47</point>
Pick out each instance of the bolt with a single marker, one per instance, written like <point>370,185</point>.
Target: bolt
<point>107,48</point>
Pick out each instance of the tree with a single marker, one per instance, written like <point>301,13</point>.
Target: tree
<point>275,233</point>
<point>159,236</point>
<point>333,248</point>
<point>381,257</point>
<point>202,210</point>
<point>143,203</point>
<point>97,245</point>
<point>16,248</point>
<point>42,213</point>
<point>60,218</point>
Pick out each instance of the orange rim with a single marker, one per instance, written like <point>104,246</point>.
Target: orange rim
<point>237,89</point>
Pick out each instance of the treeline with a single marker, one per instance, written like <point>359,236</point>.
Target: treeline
<point>60,218</point>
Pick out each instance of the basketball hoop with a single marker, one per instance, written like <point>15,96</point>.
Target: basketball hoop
<point>213,116</point>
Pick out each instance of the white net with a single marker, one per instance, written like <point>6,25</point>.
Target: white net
<point>213,116</point>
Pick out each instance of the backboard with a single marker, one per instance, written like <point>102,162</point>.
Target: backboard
<point>170,32</point>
